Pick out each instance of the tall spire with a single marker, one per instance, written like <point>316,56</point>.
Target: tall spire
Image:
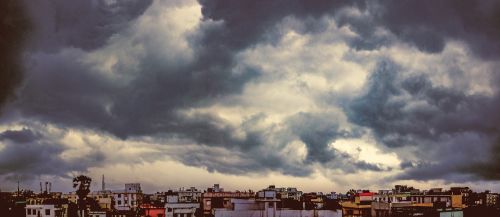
<point>18,190</point>
<point>103,184</point>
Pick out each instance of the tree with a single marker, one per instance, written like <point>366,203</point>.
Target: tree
<point>82,184</point>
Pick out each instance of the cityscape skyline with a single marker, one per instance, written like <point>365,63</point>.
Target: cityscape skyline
<point>319,95</point>
<point>272,201</point>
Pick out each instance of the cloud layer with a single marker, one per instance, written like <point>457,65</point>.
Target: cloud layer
<point>254,87</point>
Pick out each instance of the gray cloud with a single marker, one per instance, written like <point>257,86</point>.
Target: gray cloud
<point>79,24</point>
<point>261,150</point>
<point>27,153</point>
<point>428,25</point>
<point>14,29</point>
<point>446,127</point>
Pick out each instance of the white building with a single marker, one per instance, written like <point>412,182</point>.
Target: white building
<point>40,210</point>
<point>179,207</point>
<point>97,214</point>
<point>267,208</point>
<point>189,195</point>
<point>289,192</point>
<point>129,198</point>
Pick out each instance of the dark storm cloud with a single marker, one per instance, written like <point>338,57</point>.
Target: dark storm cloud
<point>261,150</point>
<point>81,24</point>
<point>246,22</point>
<point>30,153</point>
<point>317,131</point>
<point>50,25</point>
<point>149,104</point>
<point>445,124</point>
<point>21,136</point>
<point>14,27</point>
<point>63,90</point>
<point>429,24</point>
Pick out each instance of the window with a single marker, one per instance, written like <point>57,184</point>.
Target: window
<point>29,211</point>
<point>47,211</point>
<point>169,209</point>
<point>119,195</point>
<point>119,202</point>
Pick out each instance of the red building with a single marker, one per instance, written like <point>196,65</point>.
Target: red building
<point>148,210</point>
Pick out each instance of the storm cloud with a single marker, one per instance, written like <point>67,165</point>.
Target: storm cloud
<point>412,111</point>
<point>29,154</point>
<point>156,72</point>
<point>13,32</point>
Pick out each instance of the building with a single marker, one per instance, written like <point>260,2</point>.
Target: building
<point>181,206</point>
<point>265,204</point>
<point>45,210</point>
<point>148,210</point>
<point>216,198</point>
<point>286,193</point>
<point>46,207</point>
<point>360,207</point>
<point>103,198</point>
<point>128,198</point>
<point>98,214</point>
<point>189,195</point>
<point>491,199</point>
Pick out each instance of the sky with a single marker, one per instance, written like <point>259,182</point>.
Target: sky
<point>315,94</point>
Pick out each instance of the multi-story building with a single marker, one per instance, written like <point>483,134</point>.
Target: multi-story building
<point>189,195</point>
<point>128,198</point>
<point>103,198</point>
<point>177,206</point>
<point>216,197</point>
<point>98,213</point>
<point>46,207</point>
<point>491,199</point>
<point>283,193</point>
<point>148,210</point>
<point>360,207</point>
<point>265,204</point>
<point>43,210</point>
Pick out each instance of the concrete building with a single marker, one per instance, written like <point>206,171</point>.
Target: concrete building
<point>284,193</point>
<point>128,198</point>
<point>216,198</point>
<point>46,207</point>
<point>360,207</point>
<point>43,211</point>
<point>265,205</point>
<point>98,214</point>
<point>103,198</point>
<point>148,210</point>
<point>180,206</point>
<point>189,195</point>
